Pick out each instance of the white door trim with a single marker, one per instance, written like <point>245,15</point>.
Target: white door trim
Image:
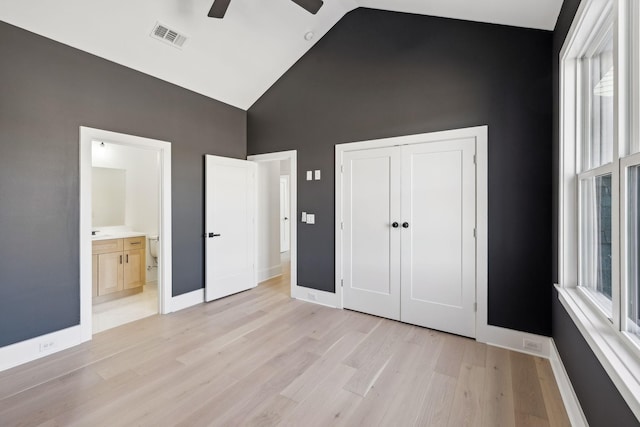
<point>87,135</point>
<point>292,156</point>
<point>480,133</point>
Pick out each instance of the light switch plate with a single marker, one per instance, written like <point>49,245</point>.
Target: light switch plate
<point>309,175</point>
<point>317,174</point>
<point>304,217</point>
<point>311,218</point>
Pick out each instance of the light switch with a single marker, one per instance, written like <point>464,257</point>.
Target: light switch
<point>311,218</point>
<point>309,175</point>
<point>317,174</point>
<point>304,217</point>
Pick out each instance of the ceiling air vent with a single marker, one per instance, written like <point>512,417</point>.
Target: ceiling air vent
<point>167,35</point>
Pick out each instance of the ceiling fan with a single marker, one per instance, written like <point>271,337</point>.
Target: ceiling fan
<point>219,7</point>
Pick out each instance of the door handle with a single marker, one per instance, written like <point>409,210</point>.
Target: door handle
<point>286,219</point>
<point>120,259</point>
<point>127,258</point>
<point>394,225</point>
<point>405,225</point>
<point>214,235</point>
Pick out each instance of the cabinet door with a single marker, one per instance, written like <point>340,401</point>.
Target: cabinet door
<point>110,273</point>
<point>94,275</point>
<point>133,268</point>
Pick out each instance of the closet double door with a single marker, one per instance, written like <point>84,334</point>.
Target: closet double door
<point>409,218</point>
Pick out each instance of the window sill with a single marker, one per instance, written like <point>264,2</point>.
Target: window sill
<point>618,359</point>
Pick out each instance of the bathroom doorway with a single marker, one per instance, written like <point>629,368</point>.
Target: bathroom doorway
<point>124,231</point>
<point>125,225</point>
<point>277,246</point>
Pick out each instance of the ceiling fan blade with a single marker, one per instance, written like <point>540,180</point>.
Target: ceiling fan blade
<point>218,9</point>
<point>311,6</point>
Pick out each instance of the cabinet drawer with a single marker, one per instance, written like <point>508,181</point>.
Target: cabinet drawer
<point>134,243</point>
<point>106,246</point>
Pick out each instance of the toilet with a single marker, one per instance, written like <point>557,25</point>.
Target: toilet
<point>153,247</point>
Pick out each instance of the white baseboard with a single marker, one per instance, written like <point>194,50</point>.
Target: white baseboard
<point>34,348</point>
<point>315,296</point>
<point>187,300</point>
<point>569,398</point>
<point>269,273</point>
<point>513,340</point>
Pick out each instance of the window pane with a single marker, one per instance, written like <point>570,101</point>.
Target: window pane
<point>595,240</point>
<point>633,261</point>
<point>601,105</point>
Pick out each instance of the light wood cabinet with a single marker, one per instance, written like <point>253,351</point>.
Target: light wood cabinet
<point>118,267</point>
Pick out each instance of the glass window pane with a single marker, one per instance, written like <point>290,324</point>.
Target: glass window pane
<point>595,240</point>
<point>601,105</point>
<point>633,250</point>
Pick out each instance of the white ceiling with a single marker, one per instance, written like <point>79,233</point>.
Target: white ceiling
<point>236,59</point>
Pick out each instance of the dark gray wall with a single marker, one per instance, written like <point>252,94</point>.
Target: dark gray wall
<point>379,74</point>
<point>47,91</point>
<point>600,400</point>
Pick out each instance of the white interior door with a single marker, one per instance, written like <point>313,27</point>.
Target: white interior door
<point>438,243</point>
<point>230,205</point>
<point>371,205</point>
<point>284,214</point>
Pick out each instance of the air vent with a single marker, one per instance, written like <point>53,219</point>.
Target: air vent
<point>167,35</point>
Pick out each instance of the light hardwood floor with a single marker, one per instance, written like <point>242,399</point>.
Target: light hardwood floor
<point>261,358</point>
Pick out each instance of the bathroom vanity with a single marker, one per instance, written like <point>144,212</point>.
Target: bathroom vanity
<point>118,266</point>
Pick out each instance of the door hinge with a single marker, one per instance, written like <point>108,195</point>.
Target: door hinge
<point>475,307</point>
<point>342,283</point>
<point>475,159</point>
<point>342,226</point>
<point>341,168</point>
<point>475,233</point>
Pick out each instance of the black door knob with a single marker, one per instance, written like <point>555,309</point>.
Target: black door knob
<point>405,225</point>
<point>286,219</point>
<point>394,225</point>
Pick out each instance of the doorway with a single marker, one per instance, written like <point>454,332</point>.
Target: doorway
<point>125,229</point>
<point>276,212</point>
<point>124,217</point>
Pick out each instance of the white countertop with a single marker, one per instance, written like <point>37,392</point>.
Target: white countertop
<point>116,235</point>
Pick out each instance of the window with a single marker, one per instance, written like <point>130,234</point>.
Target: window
<point>599,238</point>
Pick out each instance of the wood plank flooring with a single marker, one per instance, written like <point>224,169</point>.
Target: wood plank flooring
<point>260,358</point>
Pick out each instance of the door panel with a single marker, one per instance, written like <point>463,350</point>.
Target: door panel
<point>230,226</point>
<point>438,246</point>
<point>284,214</point>
<point>371,245</point>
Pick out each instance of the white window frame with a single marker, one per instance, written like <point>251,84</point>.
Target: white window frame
<point>618,354</point>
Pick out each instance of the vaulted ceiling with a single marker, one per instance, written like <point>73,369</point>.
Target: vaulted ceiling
<point>235,59</point>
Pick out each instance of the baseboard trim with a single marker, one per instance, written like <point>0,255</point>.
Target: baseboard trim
<point>514,340</point>
<point>269,273</point>
<point>29,350</point>
<point>569,398</point>
<point>187,300</point>
<point>315,296</point>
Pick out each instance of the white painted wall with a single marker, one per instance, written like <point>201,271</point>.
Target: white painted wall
<point>142,188</point>
<point>268,220</point>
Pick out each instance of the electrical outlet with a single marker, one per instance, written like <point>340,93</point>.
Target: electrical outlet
<point>47,346</point>
<point>312,296</point>
<point>532,345</point>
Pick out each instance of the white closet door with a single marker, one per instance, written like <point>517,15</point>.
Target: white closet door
<point>371,204</point>
<point>438,245</point>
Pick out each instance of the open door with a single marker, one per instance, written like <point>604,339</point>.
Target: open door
<point>284,213</point>
<point>230,206</point>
